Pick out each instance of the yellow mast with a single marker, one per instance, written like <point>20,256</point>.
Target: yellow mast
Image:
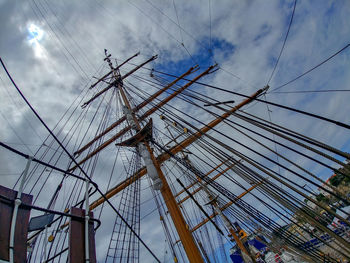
<point>188,242</point>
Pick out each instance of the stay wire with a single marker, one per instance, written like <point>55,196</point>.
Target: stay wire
<point>66,122</point>
<point>162,219</point>
<point>240,203</point>
<point>210,147</point>
<point>210,37</point>
<point>166,31</point>
<point>93,161</point>
<point>252,194</point>
<point>308,173</point>
<point>284,43</point>
<point>187,33</point>
<point>58,133</point>
<point>18,106</point>
<point>149,17</point>
<point>309,91</point>
<point>284,158</point>
<point>266,170</point>
<point>71,132</point>
<point>299,135</point>
<point>313,68</point>
<point>17,135</point>
<point>273,131</point>
<point>267,205</point>
<point>279,165</point>
<point>60,41</point>
<point>62,28</point>
<point>178,22</point>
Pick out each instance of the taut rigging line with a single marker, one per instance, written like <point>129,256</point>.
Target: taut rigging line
<point>341,124</point>
<point>308,71</point>
<point>284,43</point>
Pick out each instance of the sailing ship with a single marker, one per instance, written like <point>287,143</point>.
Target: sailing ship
<point>140,142</point>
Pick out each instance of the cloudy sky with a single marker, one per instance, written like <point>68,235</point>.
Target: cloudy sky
<point>54,48</point>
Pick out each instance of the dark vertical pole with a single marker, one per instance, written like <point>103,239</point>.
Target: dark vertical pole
<point>77,238</point>
<point>21,229</point>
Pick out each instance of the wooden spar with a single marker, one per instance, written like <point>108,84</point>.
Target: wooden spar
<point>144,103</point>
<point>207,174</point>
<point>117,80</point>
<point>188,242</point>
<point>227,223</point>
<point>174,139</point>
<point>149,112</point>
<point>244,251</point>
<point>138,107</point>
<point>119,187</point>
<point>109,73</point>
<point>225,206</point>
<point>199,180</point>
<point>165,156</point>
<point>175,93</point>
<point>102,146</point>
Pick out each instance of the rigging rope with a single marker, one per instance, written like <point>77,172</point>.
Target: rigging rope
<point>284,43</point>
<point>310,91</point>
<point>313,68</point>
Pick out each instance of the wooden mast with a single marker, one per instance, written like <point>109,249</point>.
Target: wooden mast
<point>183,231</point>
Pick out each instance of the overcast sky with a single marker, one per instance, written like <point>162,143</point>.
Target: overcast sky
<point>54,48</point>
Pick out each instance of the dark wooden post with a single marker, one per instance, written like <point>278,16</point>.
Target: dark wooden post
<point>21,230</point>
<point>77,238</point>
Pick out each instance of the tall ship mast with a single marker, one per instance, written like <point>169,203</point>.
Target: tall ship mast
<point>157,165</point>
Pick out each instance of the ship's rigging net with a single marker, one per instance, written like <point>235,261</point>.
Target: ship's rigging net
<point>123,245</point>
